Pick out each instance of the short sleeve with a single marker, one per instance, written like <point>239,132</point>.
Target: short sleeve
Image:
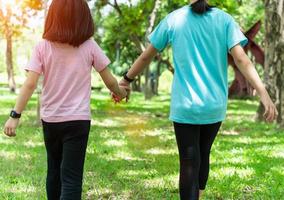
<point>234,35</point>
<point>100,60</point>
<point>159,38</point>
<point>35,63</point>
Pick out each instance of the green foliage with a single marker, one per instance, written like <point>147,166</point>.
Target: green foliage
<point>120,28</point>
<point>139,160</point>
<point>123,29</point>
<point>254,10</point>
<point>226,5</point>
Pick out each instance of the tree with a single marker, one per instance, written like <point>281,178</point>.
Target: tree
<point>133,22</point>
<point>138,22</point>
<point>274,55</point>
<point>13,17</point>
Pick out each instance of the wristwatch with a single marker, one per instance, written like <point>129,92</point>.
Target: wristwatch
<point>15,115</point>
<point>127,78</point>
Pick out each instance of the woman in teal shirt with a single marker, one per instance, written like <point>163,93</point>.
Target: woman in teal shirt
<point>201,37</point>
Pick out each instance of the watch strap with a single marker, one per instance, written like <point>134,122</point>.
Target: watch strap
<point>127,78</point>
<point>15,115</point>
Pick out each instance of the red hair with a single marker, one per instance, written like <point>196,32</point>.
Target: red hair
<point>69,21</point>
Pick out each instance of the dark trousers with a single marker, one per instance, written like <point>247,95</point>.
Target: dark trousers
<point>66,144</point>
<point>194,145</point>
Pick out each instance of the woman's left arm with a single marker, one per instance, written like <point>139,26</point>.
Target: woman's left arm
<point>25,94</point>
<point>142,62</point>
<point>247,68</point>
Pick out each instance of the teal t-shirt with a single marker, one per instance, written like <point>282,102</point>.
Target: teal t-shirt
<point>200,45</point>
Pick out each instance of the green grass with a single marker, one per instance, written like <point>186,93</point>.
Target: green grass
<point>132,154</point>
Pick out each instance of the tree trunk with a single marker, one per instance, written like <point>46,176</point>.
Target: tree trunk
<point>136,85</point>
<point>147,87</point>
<point>9,62</point>
<point>274,55</point>
<point>157,78</point>
<point>141,45</point>
<point>167,62</point>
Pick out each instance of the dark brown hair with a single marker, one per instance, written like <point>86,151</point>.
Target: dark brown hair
<point>69,21</point>
<point>201,6</point>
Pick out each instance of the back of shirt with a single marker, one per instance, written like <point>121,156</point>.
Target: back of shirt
<point>67,78</point>
<point>200,46</point>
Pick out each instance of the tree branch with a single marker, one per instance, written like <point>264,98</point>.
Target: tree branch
<point>167,62</point>
<point>116,7</point>
<point>153,16</point>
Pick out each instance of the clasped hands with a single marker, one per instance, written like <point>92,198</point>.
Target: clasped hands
<point>125,92</point>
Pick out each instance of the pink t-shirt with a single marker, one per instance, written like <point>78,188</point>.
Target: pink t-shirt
<point>67,78</point>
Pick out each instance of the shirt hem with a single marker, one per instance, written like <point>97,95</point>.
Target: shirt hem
<point>55,119</point>
<point>27,69</point>
<point>243,42</point>
<point>104,66</point>
<point>199,122</point>
<point>154,44</point>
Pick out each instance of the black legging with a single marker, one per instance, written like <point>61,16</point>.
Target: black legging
<point>194,145</point>
<point>66,144</point>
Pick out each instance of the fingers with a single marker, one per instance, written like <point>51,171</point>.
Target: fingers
<point>265,111</point>
<point>127,90</point>
<point>126,85</point>
<point>10,132</point>
<point>275,113</point>
<point>270,113</point>
<point>115,98</point>
<point>270,116</point>
<point>128,95</point>
<point>6,131</point>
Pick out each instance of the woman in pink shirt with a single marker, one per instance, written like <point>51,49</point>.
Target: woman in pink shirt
<point>65,57</point>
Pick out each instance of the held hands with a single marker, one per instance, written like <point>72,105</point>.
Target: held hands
<point>125,84</point>
<point>125,87</point>
<point>119,97</point>
<point>10,127</point>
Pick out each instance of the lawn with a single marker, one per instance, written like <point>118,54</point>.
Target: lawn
<point>132,154</point>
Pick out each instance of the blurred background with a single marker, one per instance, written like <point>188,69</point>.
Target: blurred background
<point>132,152</point>
<point>122,29</point>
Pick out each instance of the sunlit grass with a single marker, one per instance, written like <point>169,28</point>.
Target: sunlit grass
<point>132,154</point>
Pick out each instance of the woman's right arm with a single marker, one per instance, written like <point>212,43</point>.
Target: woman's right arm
<point>140,64</point>
<point>247,68</point>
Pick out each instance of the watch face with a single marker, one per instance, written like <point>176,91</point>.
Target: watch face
<point>12,114</point>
